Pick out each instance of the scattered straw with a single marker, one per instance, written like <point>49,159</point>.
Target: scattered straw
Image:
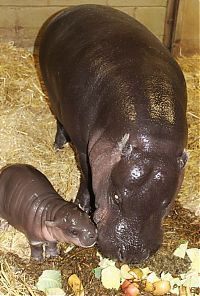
<point>13,282</point>
<point>27,128</point>
<point>190,192</point>
<point>27,131</point>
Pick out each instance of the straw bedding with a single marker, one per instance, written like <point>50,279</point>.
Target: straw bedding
<point>27,131</point>
<point>190,193</point>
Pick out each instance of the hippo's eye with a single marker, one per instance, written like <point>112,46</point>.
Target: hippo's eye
<point>65,220</point>
<point>74,232</point>
<point>117,199</point>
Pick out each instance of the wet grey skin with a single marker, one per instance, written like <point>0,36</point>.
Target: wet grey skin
<point>29,202</point>
<point>120,98</point>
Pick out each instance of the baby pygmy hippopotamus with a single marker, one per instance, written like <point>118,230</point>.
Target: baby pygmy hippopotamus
<point>29,202</point>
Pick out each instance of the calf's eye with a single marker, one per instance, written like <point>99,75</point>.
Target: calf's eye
<point>74,232</point>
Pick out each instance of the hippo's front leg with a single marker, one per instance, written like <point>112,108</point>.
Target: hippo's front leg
<point>61,136</point>
<point>51,249</point>
<point>83,195</point>
<point>36,250</point>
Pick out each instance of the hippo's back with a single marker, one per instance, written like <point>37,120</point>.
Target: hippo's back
<point>99,63</point>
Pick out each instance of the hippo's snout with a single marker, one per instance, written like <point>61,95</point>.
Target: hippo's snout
<point>89,238</point>
<point>129,243</point>
<point>127,253</point>
<point>138,257</point>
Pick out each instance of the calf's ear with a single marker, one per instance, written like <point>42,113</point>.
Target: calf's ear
<point>51,223</point>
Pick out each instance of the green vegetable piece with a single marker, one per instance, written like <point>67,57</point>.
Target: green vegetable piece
<point>49,279</point>
<point>97,272</point>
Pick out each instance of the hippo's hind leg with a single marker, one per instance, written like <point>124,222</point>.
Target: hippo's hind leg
<point>61,136</point>
<point>51,249</point>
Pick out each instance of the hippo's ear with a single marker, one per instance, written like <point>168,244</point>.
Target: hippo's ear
<point>118,151</point>
<point>51,223</point>
<point>182,160</point>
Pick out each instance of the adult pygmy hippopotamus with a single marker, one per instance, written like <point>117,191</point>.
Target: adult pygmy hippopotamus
<point>120,98</point>
<point>29,202</point>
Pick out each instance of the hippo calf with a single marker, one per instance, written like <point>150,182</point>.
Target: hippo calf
<point>120,98</point>
<point>29,202</point>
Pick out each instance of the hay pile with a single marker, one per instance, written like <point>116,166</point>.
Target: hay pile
<point>190,192</point>
<point>27,130</point>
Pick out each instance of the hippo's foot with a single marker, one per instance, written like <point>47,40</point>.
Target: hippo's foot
<point>36,251</point>
<point>61,137</point>
<point>83,200</point>
<point>51,250</point>
<point>83,205</point>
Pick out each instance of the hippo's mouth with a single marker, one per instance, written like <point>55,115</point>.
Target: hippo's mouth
<point>119,250</point>
<point>78,242</point>
<point>89,246</point>
<point>125,239</point>
<point>84,239</point>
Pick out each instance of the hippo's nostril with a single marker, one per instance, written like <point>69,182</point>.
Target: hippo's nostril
<point>135,257</point>
<point>93,235</point>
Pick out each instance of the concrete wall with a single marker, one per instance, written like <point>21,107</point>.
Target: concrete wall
<point>187,34</point>
<point>20,20</point>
